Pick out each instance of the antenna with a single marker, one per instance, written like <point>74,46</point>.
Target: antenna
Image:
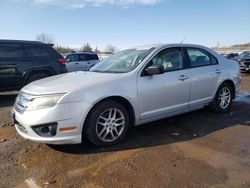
<point>183,40</point>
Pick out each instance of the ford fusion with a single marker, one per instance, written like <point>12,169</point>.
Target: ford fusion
<point>129,88</point>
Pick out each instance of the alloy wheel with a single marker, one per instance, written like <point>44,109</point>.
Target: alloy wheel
<point>110,125</point>
<point>224,97</point>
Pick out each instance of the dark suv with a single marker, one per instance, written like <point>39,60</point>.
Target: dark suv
<point>244,61</point>
<point>22,62</point>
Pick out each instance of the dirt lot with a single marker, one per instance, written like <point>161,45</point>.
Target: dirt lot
<point>198,149</point>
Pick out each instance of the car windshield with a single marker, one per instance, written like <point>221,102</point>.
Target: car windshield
<point>245,55</point>
<point>122,62</point>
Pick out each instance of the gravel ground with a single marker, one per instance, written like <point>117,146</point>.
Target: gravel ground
<point>198,149</point>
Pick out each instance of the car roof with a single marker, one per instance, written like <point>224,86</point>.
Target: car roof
<point>82,53</point>
<point>22,42</point>
<point>147,47</point>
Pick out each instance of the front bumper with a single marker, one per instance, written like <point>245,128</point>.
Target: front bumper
<point>65,115</point>
<point>244,66</point>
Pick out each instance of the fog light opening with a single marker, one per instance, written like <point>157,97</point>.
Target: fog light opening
<point>46,130</point>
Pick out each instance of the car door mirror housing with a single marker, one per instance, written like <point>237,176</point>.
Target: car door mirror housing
<point>155,69</point>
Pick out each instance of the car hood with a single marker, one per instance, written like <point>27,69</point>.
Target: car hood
<point>67,82</point>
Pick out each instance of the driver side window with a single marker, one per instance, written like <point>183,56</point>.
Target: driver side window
<point>171,59</point>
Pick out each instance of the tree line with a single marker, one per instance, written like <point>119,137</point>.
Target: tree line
<point>49,39</point>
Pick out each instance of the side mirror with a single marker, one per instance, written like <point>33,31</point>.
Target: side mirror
<point>155,69</point>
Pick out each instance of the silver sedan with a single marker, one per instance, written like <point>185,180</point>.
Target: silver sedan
<point>129,88</point>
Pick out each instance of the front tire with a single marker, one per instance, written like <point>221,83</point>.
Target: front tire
<point>107,123</point>
<point>223,98</point>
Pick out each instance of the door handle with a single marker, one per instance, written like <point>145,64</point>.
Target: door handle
<point>183,77</point>
<point>76,63</point>
<point>218,71</point>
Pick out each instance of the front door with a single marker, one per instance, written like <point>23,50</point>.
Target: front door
<point>164,94</point>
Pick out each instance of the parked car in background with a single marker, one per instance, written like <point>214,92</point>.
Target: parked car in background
<point>244,61</point>
<point>81,61</point>
<point>224,54</point>
<point>22,62</point>
<point>129,88</point>
<point>64,54</point>
<point>233,56</point>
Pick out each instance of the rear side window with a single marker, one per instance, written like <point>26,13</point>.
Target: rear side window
<point>87,57</point>
<point>10,51</point>
<point>199,57</point>
<point>35,51</point>
<point>82,57</point>
<point>93,57</point>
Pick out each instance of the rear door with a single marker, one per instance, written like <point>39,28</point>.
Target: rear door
<point>204,72</point>
<point>85,61</point>
<point>10,66</point>
<point>37,57</point>
<point>92,60</point>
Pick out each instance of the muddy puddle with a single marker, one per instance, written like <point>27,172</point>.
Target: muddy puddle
<point>243,96</point>
<point>237,174</point>
<point>94,168</point>
<point>29,183</point>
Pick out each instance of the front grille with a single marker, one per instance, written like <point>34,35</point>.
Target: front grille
<point>22,101</point>
<point>247,62</point>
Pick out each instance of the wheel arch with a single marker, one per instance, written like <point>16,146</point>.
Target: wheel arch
<point>40,71</point>
<point>123,101</point>
<point>231,83</point>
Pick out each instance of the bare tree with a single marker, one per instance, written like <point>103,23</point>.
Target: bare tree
<point>63,49</point>
<point>45,38</point>
<point>110,48</point>
<point>97,50</point>
<point>87,48</point>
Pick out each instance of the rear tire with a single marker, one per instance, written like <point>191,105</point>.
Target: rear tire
<point>36,77</point>
<point>223,98</point>
<point>107,123</point>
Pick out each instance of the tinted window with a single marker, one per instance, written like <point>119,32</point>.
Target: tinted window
<point>199,57</point>
<point>83,57</point>
<point>35,51</point>
<point>93,57</point>
<point>87,57</point>
<point>10,50</point>
<point>72,57</point>
<point>245,55</point>
<point>171,59</point>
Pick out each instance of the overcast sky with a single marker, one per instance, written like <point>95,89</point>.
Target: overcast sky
<point>126,23</point>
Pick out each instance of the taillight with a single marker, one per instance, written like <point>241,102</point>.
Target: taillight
<point>62,60</point>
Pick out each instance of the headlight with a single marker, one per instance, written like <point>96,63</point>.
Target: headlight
<point>43,102</point>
